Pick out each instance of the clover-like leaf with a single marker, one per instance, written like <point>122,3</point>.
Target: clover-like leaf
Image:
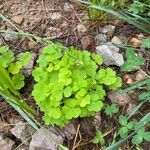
<point>137,139</point>
<point>98,59</point>
<point>18,80</point>
<point>133,61</point>
<point>14,68</point>
<point>24,58</point>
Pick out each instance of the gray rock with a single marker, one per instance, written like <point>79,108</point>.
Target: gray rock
<point>110,55</point>
<point>119,98</point>
<point>109,30</point>
<point>100,39</point>
<point>22,131</point>
<point>28,68</point>
<point>8,36</point>
<point>45,139</point>
<point>116,40</point>
<point>6,144</point>
<point>70,131</point>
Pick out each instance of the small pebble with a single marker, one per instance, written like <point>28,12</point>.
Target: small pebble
<point>17,19</point>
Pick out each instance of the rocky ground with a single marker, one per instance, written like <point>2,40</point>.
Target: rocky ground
<point>66,22</point>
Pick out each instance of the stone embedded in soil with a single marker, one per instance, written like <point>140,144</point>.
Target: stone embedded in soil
<point>140,76</point>
<point>56,16</point>
<point>8,36</point>
<point>31,45</point>
<point>100,39</point>
<point>6,144</point>
<point>86,42</point>
<point>70,131</point>
<point>45,139</point>
<point>97,120</point>
<point>116,40</point>
<point>134,42</point>
<point>81,28</point>
<point>17,19</point>
<point>22,131</point>
<point>67,7</point>
<point>108,30</point>
<point>28,68</point>
<point>53,32</point>
<point>119,98</point>
<point>110,54</point>
<point>2,26</point>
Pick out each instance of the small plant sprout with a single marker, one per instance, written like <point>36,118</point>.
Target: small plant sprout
<point>111,109</point>
<point>98,139</point>
<point>125,126</point>
<point>140,136</point>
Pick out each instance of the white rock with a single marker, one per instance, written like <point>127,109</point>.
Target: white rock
<point>45,139</point>
<point>109,30</point>
<point>8,36</point>
<point>116,40</point>
<point>110,55</point>
<point>100,39</point>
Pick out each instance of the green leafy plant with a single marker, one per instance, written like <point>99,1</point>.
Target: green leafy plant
<point>111,109</point>
<point>98,139</point>
<point>133,61</point>
<point>14,65</point>
<point>140,136</point>
<point>70,83</point>
<point>125,126</point>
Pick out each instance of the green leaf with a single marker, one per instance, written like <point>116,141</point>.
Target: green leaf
<point>67,91</point>
<point>98,138</point>
<point>97,58</point>
<point>18,80</point>
<point>133,61</point>
<point>130,125</point>
<point>122,120</point>
<point>123,131</point>
<point>146,42</point>
<point>14,68</point>
<point>24,58</point>
<point>146,136</point>
<point>111,109</point>
<point>137,139</point>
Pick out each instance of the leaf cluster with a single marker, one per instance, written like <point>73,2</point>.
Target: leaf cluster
<point>111,109</point>
<point>126,127</point>
<point>14,65</point>
<point>70,83</point>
